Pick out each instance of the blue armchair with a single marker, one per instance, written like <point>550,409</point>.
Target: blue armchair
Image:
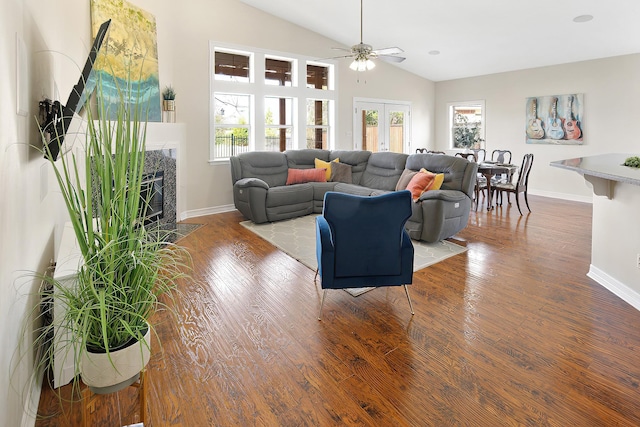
<point>361,242</point>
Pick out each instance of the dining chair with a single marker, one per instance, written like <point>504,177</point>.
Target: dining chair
<point>501,156</point>
<point>469,156</point>
<point>435,152</point>
<point>481,187</point>
<point>481,154</point>
<point>520,186</point>
<point>361,242</point>
<point>421,150</point>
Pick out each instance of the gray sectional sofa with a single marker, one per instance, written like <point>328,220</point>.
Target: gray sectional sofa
<point>260,193</point>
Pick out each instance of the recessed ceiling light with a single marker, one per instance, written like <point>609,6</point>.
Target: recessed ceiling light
<point>434,52</point>
<point>583,18</point>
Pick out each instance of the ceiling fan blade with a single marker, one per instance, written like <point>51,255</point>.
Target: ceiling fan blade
<point>344,49</point>
<point>335,57</point>
<point>388,51</point>
<point>391,58</point>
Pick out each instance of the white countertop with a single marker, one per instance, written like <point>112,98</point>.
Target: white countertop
<point>605,166</point>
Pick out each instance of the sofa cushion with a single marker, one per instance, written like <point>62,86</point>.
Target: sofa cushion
<point>453,168</point>
<point>358,190</point>
<point>406,176</point>
<point>383,170</point>
<point>290,195</point>
<point>305,158</point>
<point>269,166</point>
<point>341,172</point>
<point>299,176</point>
<point>357,159</point>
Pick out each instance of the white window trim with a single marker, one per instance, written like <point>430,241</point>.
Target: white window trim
<point>298,91</point>
<point>450,106</point>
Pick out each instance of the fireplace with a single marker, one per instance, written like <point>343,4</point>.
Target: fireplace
<point>152,197</point>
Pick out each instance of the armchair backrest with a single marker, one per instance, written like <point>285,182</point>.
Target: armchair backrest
<point>367,232</point>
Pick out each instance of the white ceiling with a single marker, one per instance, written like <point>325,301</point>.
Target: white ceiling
<point>474,37</point>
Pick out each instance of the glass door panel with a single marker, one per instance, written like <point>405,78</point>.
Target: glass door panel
<point>382,127</point>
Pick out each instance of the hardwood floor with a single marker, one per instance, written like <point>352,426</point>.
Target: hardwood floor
<point>512,332</point>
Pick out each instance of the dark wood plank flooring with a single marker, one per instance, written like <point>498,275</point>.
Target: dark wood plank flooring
<point>512,332</point>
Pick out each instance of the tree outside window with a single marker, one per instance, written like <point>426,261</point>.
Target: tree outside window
<point>466,124</point>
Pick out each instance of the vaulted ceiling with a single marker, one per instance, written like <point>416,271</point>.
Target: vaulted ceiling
<point>447,39</point>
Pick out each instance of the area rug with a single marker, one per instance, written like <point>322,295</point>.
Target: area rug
<point>297,238</point>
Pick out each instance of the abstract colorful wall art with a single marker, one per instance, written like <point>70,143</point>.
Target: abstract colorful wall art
<point>129,56</point>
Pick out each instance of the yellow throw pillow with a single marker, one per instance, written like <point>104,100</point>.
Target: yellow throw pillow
<point>437,182</point>
<point>321,164</point>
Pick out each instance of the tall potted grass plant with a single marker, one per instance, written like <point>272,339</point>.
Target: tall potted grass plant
<point>126,266</point>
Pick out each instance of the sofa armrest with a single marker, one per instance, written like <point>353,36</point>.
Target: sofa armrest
<point>250,198</point>
<point>446,195</point>
<point>251,182</point>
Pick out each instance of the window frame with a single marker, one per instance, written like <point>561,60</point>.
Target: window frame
<point>260,90</point>
<point>451,106</point>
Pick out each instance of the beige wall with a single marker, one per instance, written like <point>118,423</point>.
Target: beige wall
<point>209,185</point>
<point>610,88</point>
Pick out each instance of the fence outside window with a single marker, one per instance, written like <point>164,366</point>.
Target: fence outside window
<point>232,145</point>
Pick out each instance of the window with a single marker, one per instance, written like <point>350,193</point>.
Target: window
<point>317,123</point>
<point>278,72</point>
<point>466,122</point>
<point>278,123</point>
<point>279,112</point>
<point>235,67</point>
<point>317,77</point>
<point>232,124</point>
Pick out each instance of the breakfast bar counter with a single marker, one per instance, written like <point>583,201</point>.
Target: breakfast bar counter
<point>602,171</point>
<point>615,245</point>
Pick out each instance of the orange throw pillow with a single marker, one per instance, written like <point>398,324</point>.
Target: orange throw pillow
<point>420,183</point>
<point>299,176</point>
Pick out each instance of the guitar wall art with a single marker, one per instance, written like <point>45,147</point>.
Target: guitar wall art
<point>555,119</point>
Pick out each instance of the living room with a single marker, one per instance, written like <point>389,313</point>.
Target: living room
<point>31,214</point>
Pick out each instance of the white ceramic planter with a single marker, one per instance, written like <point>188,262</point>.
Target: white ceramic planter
<point>109,373</point>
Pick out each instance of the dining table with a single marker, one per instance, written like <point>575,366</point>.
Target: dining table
<point>489,170</point>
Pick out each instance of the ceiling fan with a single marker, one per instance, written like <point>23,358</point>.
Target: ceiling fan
<point>363,53</point>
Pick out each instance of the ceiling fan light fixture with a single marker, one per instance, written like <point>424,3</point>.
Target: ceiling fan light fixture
<point>362,64</point>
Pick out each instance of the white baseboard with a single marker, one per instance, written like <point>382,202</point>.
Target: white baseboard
<point>563,196</point>
<point>32,399</point>
<point>206,211</point>
<point>618,288</point>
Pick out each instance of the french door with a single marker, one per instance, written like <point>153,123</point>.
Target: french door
<point>382,126</point>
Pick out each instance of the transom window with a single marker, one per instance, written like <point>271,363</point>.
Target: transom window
<point>278,112</point>
<point>235,67</point>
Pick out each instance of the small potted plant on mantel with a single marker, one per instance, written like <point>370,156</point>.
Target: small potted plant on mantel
<point>169,103</point>
<point>126,266</point>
